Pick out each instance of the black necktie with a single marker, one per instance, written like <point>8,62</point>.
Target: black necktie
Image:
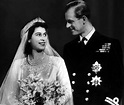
<point>82,42</point>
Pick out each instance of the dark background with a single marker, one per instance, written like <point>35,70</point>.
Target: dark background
<point>107,17</point>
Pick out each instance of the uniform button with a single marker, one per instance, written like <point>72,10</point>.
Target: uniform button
<point>88,83</point>
<point>73,82</point>
<point>87,91</point>
<point>74,74</point>
<point>89,74</point>
<point>86,99</point>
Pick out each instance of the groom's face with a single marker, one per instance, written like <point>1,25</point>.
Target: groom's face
<point>73,23</point>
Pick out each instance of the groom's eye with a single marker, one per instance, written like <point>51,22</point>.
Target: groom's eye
<point>70,21</point>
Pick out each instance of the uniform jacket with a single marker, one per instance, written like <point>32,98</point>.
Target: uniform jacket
<point>95,70</point>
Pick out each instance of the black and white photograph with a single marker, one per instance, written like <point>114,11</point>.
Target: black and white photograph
<point>62,52</point>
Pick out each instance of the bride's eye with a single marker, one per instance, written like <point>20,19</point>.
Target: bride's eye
<point>45,34</point>
<point>38,34</point>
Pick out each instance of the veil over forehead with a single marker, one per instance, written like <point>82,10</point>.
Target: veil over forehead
<point>28,25</point>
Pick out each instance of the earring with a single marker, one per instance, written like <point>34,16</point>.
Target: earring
<point>29,41</point>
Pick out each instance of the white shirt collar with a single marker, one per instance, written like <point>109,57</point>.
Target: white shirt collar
<point>88,36</point>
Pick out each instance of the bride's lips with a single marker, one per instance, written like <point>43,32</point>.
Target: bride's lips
<point>42,43</point>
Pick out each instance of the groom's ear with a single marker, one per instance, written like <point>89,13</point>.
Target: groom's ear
<point>84,18</point>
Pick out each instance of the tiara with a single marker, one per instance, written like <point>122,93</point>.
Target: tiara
<point>28,25</point>
<point>76,1</point>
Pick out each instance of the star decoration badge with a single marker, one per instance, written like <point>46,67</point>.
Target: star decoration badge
<point>96,81</point>
<point>96,67</point>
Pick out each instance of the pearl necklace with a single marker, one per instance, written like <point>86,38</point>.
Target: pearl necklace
<point>36,62</point>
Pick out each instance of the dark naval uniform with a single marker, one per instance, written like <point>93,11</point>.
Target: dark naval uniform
<point>95,70</point>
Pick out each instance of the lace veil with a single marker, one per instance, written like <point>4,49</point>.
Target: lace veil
<point>9,84</point>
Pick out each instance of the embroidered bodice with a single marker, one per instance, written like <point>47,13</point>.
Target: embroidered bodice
<point>42,70</point>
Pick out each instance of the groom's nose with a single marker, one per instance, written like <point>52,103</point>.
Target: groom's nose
<point>68,25</point>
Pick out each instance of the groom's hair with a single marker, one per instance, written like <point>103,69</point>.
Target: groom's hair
<point>81,8</point>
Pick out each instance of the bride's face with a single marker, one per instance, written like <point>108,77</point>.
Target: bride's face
<point>39,39</point>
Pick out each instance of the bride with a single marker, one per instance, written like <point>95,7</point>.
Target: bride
<point>38,75</point>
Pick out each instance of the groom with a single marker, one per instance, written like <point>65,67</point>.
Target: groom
<point>94,61</point>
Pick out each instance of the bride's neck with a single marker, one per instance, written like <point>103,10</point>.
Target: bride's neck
<point>37,58</point>
<point>37,55</point>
